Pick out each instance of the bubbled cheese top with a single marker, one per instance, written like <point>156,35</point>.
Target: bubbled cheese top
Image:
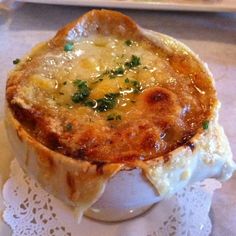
<point>104,98</point>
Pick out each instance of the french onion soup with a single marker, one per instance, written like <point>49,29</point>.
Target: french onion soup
<point>105,96</point>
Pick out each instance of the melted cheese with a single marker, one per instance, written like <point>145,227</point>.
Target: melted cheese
<point>157,105</point>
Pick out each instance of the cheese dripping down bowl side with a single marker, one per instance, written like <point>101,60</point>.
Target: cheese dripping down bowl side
<point>111,118</point>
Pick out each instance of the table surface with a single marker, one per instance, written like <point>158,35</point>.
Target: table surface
<point>211,35</point>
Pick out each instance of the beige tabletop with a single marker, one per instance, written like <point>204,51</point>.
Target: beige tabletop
<point>211,35</point>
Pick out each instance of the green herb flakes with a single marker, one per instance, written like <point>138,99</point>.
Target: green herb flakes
<point>16,61</point>
<point>68,47</point>
<point>127,80</point>
<point>90,103</point>
<point>119,71</point>
<point>107,102</point>
<point>134,62</point>
<point>82,93</point>
<point>77,97</point>
<point>136,90</point>
<point>135,84</point>
<point>205,124</point>
<point>128,42</point>
<point>79,83</point>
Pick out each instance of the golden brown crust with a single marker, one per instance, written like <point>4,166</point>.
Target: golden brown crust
<point>81,181</point>
<point>103,22</point>
<point>158,127</point>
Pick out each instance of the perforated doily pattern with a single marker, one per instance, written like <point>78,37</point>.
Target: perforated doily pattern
<point>31,211</point>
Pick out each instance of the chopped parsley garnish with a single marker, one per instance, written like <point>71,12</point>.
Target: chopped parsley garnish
<point>68,47</point>
<point>107,102</point>
<point>205,124</point>
<point>82,93</point>
<point>136,85</point>
<point>77,97</point>
<point>90,103</point>
<point>119,71</point>
<point>68,127</point>
<point>113,117</point>
<point>79,83</point>
<point>127,80</point>
<point>16,61</point>
<point>136,90</point>
<point>129,42</point>
<point>134,62</point>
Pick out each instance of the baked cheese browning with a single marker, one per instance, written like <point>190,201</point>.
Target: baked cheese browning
<point>104,97</point>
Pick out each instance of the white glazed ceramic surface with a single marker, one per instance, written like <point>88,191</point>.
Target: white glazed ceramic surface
<point>127,195</point>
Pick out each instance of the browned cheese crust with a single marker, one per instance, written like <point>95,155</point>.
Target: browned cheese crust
<point>148,120</point>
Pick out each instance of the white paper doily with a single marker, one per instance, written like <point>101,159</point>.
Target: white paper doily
<point>31,211</point>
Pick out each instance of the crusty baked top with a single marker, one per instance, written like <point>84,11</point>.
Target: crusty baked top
<point>102,91</point>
